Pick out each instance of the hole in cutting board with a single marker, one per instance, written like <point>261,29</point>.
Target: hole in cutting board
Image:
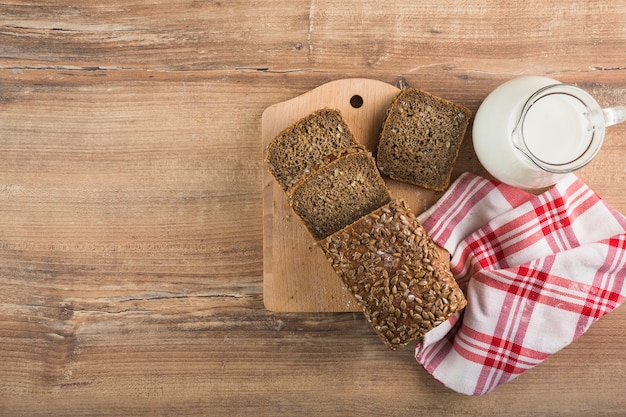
<point>356,101</point>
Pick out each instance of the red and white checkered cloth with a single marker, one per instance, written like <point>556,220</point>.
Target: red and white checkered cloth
<point>537,272</point>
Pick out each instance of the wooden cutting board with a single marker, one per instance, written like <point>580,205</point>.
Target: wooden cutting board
<point>296,275</point>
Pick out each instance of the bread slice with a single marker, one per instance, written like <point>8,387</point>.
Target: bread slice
<point>291,154</point>
<point>393,269</point>
<point>339,192</point>
<point>420,139</point>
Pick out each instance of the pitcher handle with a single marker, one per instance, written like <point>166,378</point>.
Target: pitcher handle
<point>614,115</point>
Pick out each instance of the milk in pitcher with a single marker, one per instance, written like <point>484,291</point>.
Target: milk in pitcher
<point>529,140</point>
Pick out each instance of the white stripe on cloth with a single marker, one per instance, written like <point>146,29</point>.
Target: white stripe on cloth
<point>537,272</point>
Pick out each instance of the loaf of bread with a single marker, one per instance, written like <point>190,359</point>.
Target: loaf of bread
<point>291,153</point>
<point>420,139</point>
<point>344,187</point>
<point>393,269</point>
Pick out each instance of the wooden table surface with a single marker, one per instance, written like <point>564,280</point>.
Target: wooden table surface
<point>131,176</point>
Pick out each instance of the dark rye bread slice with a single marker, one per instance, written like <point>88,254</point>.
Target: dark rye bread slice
<point>290,154</point>
<point>393,269</point>
<point>420,139</point>
<point>340,192</point>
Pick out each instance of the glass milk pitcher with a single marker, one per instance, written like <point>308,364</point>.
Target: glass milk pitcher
<point>531,131</point>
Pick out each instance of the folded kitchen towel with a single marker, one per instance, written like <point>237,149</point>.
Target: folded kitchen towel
<point>537,271</point>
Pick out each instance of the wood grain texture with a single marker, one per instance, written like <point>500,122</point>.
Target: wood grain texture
<point>131,181</point>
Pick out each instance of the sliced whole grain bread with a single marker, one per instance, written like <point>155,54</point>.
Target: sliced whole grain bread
<point>339,193</point>
<point>292,152</point>
<point>420,139</point>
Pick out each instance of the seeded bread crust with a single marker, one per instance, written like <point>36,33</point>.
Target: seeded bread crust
<point>420,139</point>
<point>292,152</point>
<point>340,192</point>
<point>396,274</point>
